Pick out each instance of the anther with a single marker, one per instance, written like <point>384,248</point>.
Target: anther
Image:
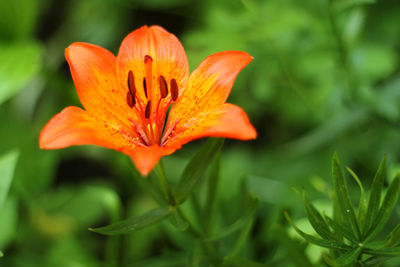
<point>147,59</point>
<point>131,83</point>
<point>130,100</point>
<point>174,90</point>
<point>145,87</point>
<point>147,111</point>
<point>163,86</point>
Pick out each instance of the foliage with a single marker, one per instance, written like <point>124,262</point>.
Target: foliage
<point>350,235</point>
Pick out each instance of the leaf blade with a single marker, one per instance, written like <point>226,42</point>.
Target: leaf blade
<point>134,224</point>
<point>8,162</point>
<point>388,204</point>
<point>194,172</point>
<point>375,196</point>
<point>343,196</point>
<point>314,240</point>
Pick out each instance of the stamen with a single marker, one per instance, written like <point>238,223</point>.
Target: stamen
<point>147,59</point>
<point>131,83</point>
<point>130,100</point>
<point>147,111</point>
<point>174,90</point>
<point>163,86</point>
<point>145,87</point>
<point>148,80</point>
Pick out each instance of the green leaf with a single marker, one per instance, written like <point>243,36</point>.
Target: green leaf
<point>386,209</point>
<point>317,241</point>
<point>316,220</point>
<point>362,206</point>
<point>176,219</point>
<point>391,252</point>
<point>212,186</point>
<point>241,241</point>
<point>394,237</point>
<point>375,260</point>
<point>375,196</point>
<point>134,224</point>
<point>342,231</point>
<point>194,172</point>
<point>342,194</point>
<point>348,257</point>
<point>20,62</point>
<point>1,254</point>
<point>341,5</point>
<point>239,224</point>
<point>150,186</point>
<point>7,167</point>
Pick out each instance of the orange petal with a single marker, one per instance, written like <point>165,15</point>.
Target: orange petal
<point>167,59</point>
<point>74,126</point>
<point>226,120</point>
<point>93,70</point>
<point>209,85</point>
<point>145,158</point>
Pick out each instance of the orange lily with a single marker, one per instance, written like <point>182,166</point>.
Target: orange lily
<point>126,98</point>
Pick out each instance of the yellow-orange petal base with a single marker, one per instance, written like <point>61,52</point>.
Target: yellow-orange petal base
<point>126,98</point>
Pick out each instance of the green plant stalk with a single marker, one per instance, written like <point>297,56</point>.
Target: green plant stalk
<point>191,230</point>
<point>342,51</point>
<point>165,184</point>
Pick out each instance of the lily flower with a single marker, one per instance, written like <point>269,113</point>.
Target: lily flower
<point>126,98</point>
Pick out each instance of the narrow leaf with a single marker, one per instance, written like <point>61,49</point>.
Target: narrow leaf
<point>343,196</point>
<point>375,196</point>
<point>348,257</point>
<point>342,231</point>
<point>394,237</point>
<point>387,207</point>
<point>194,172</point>
<point>375,260</point>
<point>212,187</point>
<point>237,225</point>
<point>7,166</point>
<point>315,240</point>
<point>134,224</point>
<point>241,241</point>
<point>390,252</point>
<point>176,220</point>
<point>317,221</point>
<point>362,206</point>
<point>152,188</point>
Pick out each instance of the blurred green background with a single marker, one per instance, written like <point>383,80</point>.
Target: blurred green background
<point>325,77</point>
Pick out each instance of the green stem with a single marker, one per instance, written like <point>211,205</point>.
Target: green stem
<point>342,51</point>
<point>164,181</point>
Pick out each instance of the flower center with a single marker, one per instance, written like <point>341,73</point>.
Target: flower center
<point>152,110</point>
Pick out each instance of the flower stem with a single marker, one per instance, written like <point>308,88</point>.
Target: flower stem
<point>164,182</point>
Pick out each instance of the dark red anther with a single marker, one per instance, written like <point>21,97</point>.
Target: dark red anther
<point>147,111</point>
<point>131,83</point>
<point>145,87</point>
<point>130,100</point>
<point>163,86</point>
<point>174,90</point>
<point>147,59</point>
